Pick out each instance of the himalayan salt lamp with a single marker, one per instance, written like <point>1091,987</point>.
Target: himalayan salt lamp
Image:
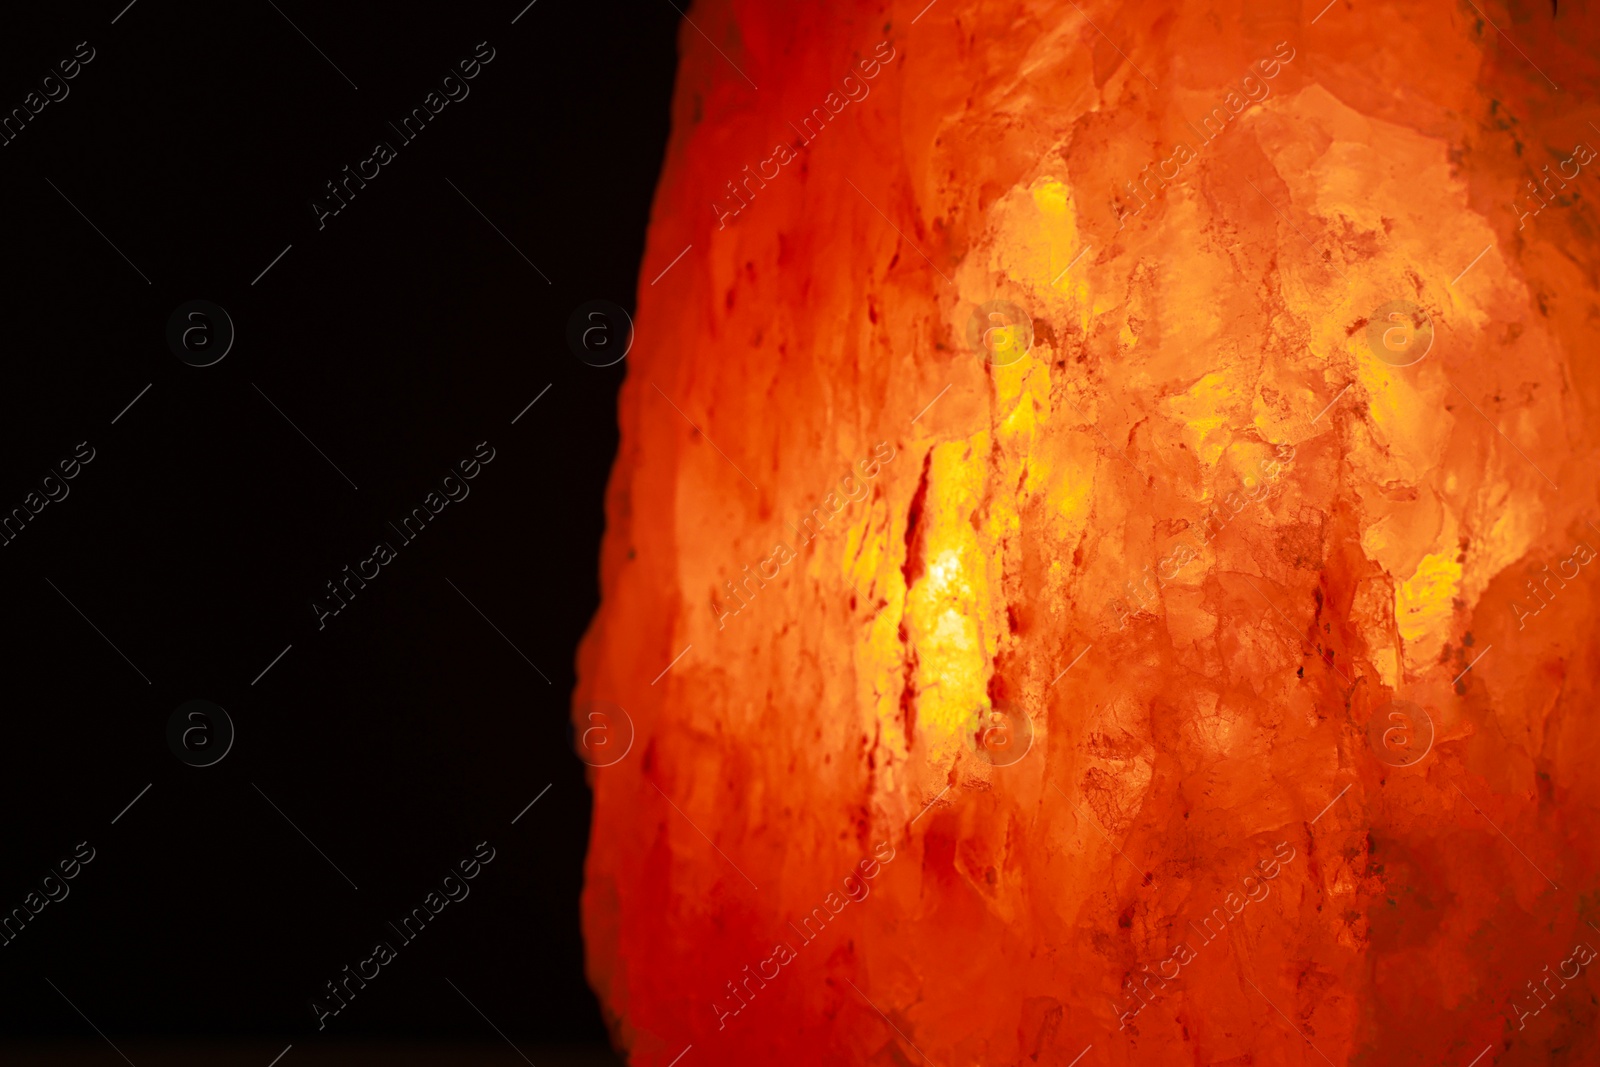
<point>1101,558</point>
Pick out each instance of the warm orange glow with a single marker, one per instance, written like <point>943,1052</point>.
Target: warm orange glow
<point>1122,475</point>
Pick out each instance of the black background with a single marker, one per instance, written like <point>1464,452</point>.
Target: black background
<point>396,338</point>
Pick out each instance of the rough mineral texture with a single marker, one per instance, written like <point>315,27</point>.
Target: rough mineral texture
<point>1225,511</point>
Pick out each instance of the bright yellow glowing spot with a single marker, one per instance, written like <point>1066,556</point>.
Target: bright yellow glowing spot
<point>954,630</point>
<point>945,570</point>
<point>949,620</point>
<point>1051,198</point>
<point>1422,604</point>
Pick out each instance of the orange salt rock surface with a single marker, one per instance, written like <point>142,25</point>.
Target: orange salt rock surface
<point>1187,688</point>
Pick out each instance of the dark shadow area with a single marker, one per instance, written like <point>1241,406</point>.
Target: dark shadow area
<point>369,532</point>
